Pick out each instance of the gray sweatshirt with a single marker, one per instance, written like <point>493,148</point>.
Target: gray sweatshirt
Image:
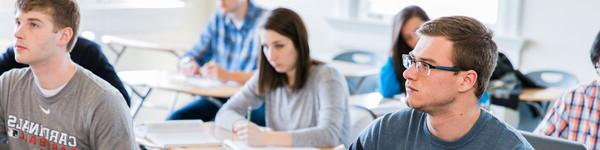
<point>315,116</point>
<point>88,113</point>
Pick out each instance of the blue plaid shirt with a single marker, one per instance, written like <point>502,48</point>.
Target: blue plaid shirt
<point>234,49</point>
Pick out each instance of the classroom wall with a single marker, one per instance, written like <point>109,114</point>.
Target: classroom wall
<point>555,39</point>
<point>559,33</point>
<point>178,27</point>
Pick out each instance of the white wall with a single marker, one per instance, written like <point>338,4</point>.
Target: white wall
<point>558,40</point>
<point>168,26</point>
<point>314,14</point>
<point>560,35</point>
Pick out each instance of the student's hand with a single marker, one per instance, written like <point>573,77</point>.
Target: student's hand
<point>251,133</point>
<point>189,67</point>
<point>214,71</point>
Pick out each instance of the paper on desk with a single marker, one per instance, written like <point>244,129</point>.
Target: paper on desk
<point>194,81</point>
<point>177,133</point>
<point>239,145</point>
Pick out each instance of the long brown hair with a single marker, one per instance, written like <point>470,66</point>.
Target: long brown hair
<point>289,24</point>
<point>399,45</point>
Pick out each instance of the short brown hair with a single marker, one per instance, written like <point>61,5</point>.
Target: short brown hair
<point>289,24</point>
<point>65,13</point>
<point>473,47</point>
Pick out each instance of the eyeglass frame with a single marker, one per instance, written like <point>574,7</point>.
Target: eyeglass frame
<point>412,60</point>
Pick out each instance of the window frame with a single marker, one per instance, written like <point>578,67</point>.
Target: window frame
<point>507,21</point>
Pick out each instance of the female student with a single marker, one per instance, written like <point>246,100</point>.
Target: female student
<point>404,39</point>
<point>306,100</point>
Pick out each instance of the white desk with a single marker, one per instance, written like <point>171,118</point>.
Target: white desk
<point>164,80</point>
<point>354,70</point>
<point>113,42</point>
<point>217,132</point>
<point>541,94</point>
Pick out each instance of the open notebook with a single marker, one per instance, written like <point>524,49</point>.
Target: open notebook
<point>239,145</point>
<point>178,133</point>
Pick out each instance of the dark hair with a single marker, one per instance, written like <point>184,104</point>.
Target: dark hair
<point>595,51</point>
<point>472,44</point>
<point>65,13</point>
<point>399,45</point>
<point>289,24</point>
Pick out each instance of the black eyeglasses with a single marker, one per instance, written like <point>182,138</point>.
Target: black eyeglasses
<point>423,67</point>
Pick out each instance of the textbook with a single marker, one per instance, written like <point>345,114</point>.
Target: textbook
<point>177,133</point>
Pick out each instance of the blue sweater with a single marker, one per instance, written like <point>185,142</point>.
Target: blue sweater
<point>388,83</point>
<point>85,53</point>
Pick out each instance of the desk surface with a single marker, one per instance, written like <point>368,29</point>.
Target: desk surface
<point>218,133</point>
<point>140,44</point>
<point>354,70</point>
<point>170,81</point>
<point>540,94</point>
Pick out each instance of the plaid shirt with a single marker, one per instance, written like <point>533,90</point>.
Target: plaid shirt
<point>575,116</point>
<point>233,48</point>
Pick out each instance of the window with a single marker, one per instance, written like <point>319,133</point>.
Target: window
<point>483,10</point>
<point>111,4</point>
<point>501,15</point>
<point>108,4</point>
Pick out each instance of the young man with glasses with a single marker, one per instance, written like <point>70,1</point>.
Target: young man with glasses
<point>575,115</point>
<point>446,74</point>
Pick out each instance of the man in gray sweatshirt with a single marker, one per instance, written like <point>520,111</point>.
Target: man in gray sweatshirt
<point>446,74</point>
<point>54,103</point>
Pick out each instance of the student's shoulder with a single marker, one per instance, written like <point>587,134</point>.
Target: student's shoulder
<point>399,119</point>
<point>16,74</point>
<point>506,133</point>
<point>326,71</point>
<point>403,115</point>
<point>96,84</point>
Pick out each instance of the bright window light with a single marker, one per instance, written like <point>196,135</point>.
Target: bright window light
<point>104,4</point>
<point>484,10</point>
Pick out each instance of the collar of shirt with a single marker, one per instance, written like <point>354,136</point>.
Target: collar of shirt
<point>252,14</point>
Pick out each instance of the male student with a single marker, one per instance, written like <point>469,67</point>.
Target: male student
<point>445,75</point>
<point>54,103</point>
<point>229,40</point>
<point>575,115</point>
<point>85,53</point>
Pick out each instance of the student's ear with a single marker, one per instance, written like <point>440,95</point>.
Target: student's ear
<point>468,81</point>
<point>65,36</point>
